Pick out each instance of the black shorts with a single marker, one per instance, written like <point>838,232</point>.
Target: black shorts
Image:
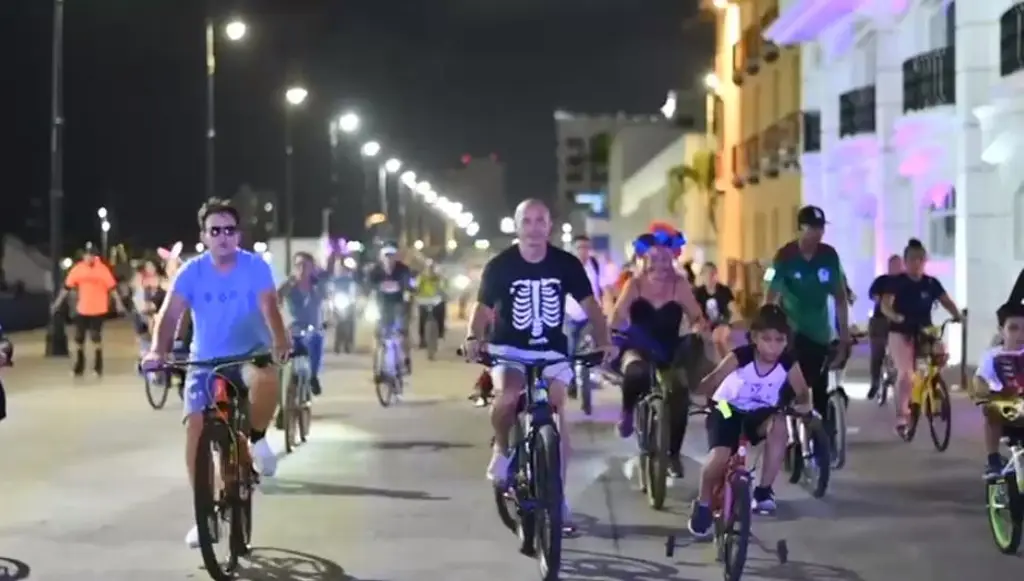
<point>725,432</point>
<point>91,325</point>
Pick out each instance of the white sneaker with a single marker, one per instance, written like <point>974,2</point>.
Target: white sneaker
<point>192,538</point>
<point>497,470</point>
<point>265,458</point>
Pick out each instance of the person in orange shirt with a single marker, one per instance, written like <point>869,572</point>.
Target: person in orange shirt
<point>95,285</point>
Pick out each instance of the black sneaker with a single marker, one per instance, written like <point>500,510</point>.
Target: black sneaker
<point>994,467</point>
<point>764,500</point>
<point>701,521</point>
<point>314,385</point>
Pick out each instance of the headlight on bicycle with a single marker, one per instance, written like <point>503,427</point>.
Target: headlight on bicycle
<point>372,313</point>
<point>342,301</point>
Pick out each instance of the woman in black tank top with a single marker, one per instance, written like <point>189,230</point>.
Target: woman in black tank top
<point>649,315</point>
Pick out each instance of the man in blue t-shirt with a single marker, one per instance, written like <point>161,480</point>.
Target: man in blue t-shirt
<point>234,306</point>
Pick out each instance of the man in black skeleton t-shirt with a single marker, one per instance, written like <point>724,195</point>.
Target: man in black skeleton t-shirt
<point>523,291</point>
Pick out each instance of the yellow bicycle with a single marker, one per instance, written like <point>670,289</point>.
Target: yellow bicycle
<point>929,393</point>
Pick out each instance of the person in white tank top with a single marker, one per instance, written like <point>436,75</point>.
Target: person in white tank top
<point>750,385</point>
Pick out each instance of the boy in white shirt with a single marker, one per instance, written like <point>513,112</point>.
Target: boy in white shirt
<point>1000,376</point>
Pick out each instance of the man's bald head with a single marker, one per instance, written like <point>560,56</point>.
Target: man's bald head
<point>533,223</point>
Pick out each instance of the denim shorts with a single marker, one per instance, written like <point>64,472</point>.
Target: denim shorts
<point>198,394</point>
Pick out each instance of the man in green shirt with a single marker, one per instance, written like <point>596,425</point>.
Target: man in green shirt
<point>804,273</point>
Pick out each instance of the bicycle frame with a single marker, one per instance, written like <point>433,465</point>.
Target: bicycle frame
<point>928,367</point>
<point>721,503</point>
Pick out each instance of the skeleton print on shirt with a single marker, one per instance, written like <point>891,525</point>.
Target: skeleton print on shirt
<point>536,306</point>
<point>529,297</point>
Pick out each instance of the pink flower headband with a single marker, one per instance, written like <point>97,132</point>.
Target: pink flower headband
<point>170,255</point>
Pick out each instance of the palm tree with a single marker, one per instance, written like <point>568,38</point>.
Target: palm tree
<point>699,175</point>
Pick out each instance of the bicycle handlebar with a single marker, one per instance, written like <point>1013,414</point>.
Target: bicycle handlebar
<point>787,410</point>
<point>591,359</point>
<point>259,358</point>
<point>1011,409</point>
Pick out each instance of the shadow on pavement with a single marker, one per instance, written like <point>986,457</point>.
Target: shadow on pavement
<point>797,571</point>
<point>428,445</point>
<point>293,487</point>
<point>922,497</point>
<point>591,566</point>
<point>589,526</point>
<point>270,564</point>
<point>13,570</point>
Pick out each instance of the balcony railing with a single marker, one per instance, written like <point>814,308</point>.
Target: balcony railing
<point>929,80</point>
<point>857,111</point>
<point>1011,40</point>
<point>789,140</point>
<point>811,133</point>
<point>752,41</point>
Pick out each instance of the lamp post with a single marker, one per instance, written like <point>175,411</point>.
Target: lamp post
<point>370,150</point>
<point>294,97</point>
<point>391,168</point>
<point>235,30</point>
<point>56,335</point>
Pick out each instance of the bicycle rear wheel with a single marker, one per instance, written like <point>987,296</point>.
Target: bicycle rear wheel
<point>837,423</point>
<point>549,496</point>
<point>289,411</point>
<point>659,428</point>
<point>156,393</point>
<point>210,501</point>
<point>586,388</point>
<point>736,532</point>
<point>938,410</point>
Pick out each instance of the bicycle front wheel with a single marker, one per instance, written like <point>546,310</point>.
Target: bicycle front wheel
<point>549,494</point>
<point>659,428</point>
<point>1005,513</point>
<point>156,392</point>
<point>938,410</point>
<point>736,531</point>
<point>837,423</point>
<point>818,467</point>
<point>209,498</point>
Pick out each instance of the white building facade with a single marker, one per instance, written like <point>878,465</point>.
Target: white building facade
<point>922,137</point>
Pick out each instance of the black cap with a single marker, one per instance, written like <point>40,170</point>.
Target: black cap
<point>811,216</point>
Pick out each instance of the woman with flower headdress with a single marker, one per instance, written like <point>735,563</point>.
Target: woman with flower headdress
<point>648,318</point>
<point>149,289</point>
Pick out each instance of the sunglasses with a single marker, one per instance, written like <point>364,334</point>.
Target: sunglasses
<point>218,231</point>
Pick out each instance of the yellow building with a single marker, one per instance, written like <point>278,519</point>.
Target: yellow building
<point>758,128</point>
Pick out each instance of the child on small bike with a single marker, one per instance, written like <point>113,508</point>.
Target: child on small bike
<point>999,376</point>
<point>750,386</point>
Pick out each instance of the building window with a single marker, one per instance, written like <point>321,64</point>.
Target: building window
<point>942,224</point>
<point>574,143</point>
<point>938,25</point>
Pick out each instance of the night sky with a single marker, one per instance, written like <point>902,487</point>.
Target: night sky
<point>433,79</point>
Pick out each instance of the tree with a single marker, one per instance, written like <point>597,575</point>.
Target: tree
<point>699,176</point>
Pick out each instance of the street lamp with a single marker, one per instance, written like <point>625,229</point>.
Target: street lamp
<point>104,236</point>
<point>472,229</point>
<point>102,213</point>
<point>418,245</point>
<point>294,97</point>
<point>235,30</point>
<point>392,165</point>
<point>423,187</point>
<point>370,149</point>
<point>567,228</point>
<point>452,245</point>
<point>508,225</point>
<point>349,123</point>
<point>409,179</point>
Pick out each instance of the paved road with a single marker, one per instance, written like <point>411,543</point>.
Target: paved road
<point>94,490</point>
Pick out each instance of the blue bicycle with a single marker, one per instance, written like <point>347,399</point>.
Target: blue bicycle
<point>296,394</point>
<point>531,496</point>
